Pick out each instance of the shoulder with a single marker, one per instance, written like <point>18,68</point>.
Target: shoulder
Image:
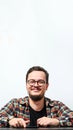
<point>18,100</point>
<point>54,102</point>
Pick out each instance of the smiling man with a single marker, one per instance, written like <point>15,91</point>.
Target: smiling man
<point>36,110</point>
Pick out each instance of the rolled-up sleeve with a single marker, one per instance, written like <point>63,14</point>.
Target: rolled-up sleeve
<point>65,115</point>
<point>6,113</point>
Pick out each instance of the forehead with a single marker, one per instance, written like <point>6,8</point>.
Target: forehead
<point>36,75</point>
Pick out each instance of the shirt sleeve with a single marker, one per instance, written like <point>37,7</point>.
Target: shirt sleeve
<point>6,113</point>
<point>65,115</point>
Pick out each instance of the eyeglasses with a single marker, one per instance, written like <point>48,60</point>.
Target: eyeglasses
<point>32,82</point>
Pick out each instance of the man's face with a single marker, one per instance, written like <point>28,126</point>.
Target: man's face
<point>36,85</point>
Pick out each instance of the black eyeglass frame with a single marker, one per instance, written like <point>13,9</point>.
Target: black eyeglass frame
<point>40,82</point>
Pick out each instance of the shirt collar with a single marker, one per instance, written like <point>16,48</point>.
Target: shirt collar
<point>49,102</point>
<point>25,101</point>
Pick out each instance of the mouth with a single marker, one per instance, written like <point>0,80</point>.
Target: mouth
<point>35,89</point>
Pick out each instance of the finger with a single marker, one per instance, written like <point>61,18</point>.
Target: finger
<point>20,123</point>
<point>38,121</point>
<point>23,123</point>
<point>15,124</point>
<point>27,121</point>
<point>41,122</point>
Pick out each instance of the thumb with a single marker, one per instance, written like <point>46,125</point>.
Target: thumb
<point>27,121</point>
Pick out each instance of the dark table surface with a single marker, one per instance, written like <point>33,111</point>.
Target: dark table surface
<point>54,128</point>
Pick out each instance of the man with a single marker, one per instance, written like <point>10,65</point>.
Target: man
<point>35,110</point>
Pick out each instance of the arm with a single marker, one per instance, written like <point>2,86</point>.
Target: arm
<point>61,115</point>
<point>46,121</point>
<point>65,115</point>
<point>11,115</point>
<point>6,113</point>
<point>18,122</point>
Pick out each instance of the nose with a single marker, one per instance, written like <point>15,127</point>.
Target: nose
<point>36,83</point>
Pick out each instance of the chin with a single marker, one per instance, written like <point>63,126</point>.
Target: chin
<point>36,97</point>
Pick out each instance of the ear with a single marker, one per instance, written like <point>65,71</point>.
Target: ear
<point>47,85</point>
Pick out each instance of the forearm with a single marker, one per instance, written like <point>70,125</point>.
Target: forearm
<point>3,122</point>
<point>46,121</point>
<point>6,113</point>
<point>65,121</point>
<point>54,122</point>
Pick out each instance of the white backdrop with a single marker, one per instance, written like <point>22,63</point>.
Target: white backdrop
<point>36,32</point>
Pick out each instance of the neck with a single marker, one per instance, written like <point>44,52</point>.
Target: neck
<point>36,105</point>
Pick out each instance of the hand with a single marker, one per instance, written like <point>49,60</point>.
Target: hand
<point>45,121</point>
<point>18,122</point>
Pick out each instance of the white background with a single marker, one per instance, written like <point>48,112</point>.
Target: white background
<point>36,32</point>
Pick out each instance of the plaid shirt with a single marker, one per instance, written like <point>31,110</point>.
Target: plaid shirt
<point>19,108</point>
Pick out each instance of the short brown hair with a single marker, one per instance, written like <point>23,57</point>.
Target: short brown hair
<point>38,68</point>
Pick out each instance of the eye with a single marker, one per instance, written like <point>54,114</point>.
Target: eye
<point>41,81</point>
<point>32,81</point>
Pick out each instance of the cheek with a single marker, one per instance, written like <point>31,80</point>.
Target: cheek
<point>27,87</point>
<point>45,89</point>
